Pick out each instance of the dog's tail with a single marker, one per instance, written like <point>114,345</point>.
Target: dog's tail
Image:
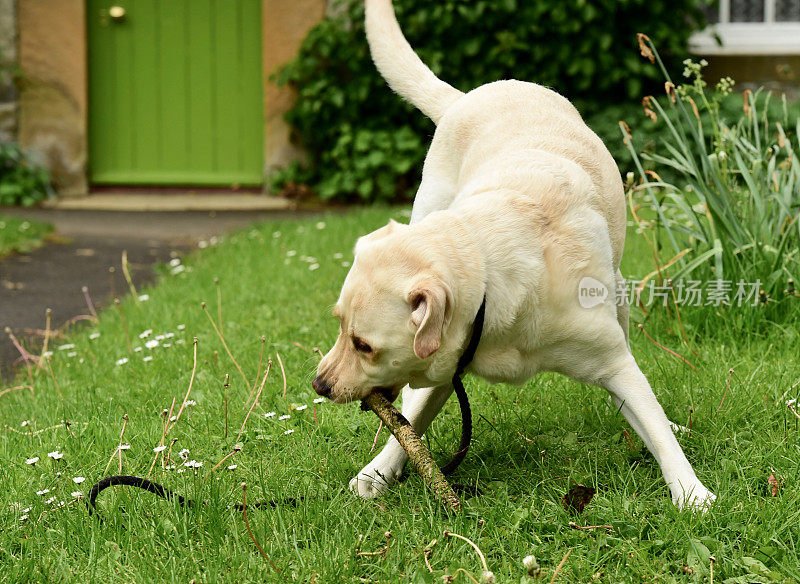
<point>401,67</point>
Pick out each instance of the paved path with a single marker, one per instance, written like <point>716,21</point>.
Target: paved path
<point>85,245</point>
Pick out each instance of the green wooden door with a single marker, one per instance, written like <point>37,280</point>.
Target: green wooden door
<point>175,92</point>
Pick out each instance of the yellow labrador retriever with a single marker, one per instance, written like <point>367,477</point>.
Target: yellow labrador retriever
<point>520,204</point>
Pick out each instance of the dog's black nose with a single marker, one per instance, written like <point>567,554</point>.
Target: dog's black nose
<point>321,386</point>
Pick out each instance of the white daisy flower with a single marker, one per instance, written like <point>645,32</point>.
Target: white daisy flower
<point>284,417</point>
<point>72,354</point>
<point>319,400</point>
<point>55,455</point>
<point>25,423</point>
<point>269,415</point>
<point>338,256</point>
<point>43,492</point>
<point>161,448</point>
<point>145,334</point>
<point>124,446</point>
<point>233,466</point>
<point>151,344</point>
<point>67,346</point>
<point>23,518</point>
<point>313,267</point>
<point>147,358</point>
<point>291,253</point>
<point>137,349</point>
<point>122,361</point>
<point>78,480</point>
<point>181,327</point>
<point>191,402</point>
<point>289,431</point>
<point>94,336</point>
<point>321,225</point>
<point>32,461</point>
<point>345,264</point>
<point>276,234</point>
<point>50,500</point>
<point>77,494</point>
<point>144,298</point>
<point>184,454</point>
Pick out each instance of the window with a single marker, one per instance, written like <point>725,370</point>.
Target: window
<point>750,27</point>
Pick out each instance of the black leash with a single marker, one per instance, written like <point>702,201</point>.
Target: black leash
<point>466,438</point>
<point>164,493</point>
<point>461,393</point>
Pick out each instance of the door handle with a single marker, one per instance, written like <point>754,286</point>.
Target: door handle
<point>117,13</point>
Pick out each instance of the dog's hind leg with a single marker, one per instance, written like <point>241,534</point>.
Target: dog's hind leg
<point>420,406</point>
<point>633,396</point>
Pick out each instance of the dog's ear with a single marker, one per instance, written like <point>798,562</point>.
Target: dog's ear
<point>431,307</point>
<point>380,233</point>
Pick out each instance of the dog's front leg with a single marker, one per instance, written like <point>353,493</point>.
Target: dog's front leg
<point>420,406</point>
<point>632,394</point>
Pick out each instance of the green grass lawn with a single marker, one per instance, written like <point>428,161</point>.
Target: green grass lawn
<point>18,234</point>
<point>531,445</point>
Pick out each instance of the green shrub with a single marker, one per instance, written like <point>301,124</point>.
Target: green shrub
<point>364,142</point>
<point>21,181</point>
<point>730,211</point>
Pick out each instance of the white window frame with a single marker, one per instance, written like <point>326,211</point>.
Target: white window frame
<point>747,38</point>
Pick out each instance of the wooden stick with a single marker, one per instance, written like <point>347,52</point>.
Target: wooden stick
<point>417,451</point>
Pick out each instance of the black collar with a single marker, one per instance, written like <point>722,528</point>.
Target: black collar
<point>472,346</point>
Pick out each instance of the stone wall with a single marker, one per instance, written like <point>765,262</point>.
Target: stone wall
<point>286,24</point>
<point>52,105</point>
<point>8,60</point>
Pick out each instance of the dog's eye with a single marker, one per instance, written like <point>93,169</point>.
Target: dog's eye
<point>361,346</point>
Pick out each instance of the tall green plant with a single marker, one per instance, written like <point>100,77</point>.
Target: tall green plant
<point>734,199</point>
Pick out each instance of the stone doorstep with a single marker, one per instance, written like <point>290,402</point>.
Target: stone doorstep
<point>171,202</point>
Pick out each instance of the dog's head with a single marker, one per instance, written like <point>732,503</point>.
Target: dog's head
<point>392,313</point>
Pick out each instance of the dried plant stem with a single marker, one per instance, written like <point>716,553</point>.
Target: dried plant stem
<point>727,387</point>
<point>417,451</point>
<point>258,369</point>
<point>680,323</point>
<point>560,565</point>
<point>378,433</point>
<point>27,357</point>
<point>250,531</point>
<point>124,324</point>
<point>48,314</point>
<point>10,389</point>
<point>220,463</point>
<point>574,525</point>
<point>53,377</point>
<point>426,554</point>
<point>126,272</point>
<point>474,546</point>
<point>283,373</point>
<point>118,450</point>
<point>663,348</point>
<point>224,344</point>
<point>163,436</point>
<point>191,381</point>
<point>89,302</point>
<point>219,306</point>
<point>470,576</point>
<point>318,352</point>
<point>225,387</point>
<point>258,395</point>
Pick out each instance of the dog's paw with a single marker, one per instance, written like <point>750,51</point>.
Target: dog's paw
<point>374,480</point>
<point>695,498</point>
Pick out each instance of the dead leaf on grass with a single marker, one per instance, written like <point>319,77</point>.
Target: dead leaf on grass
<point>577,498</point>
